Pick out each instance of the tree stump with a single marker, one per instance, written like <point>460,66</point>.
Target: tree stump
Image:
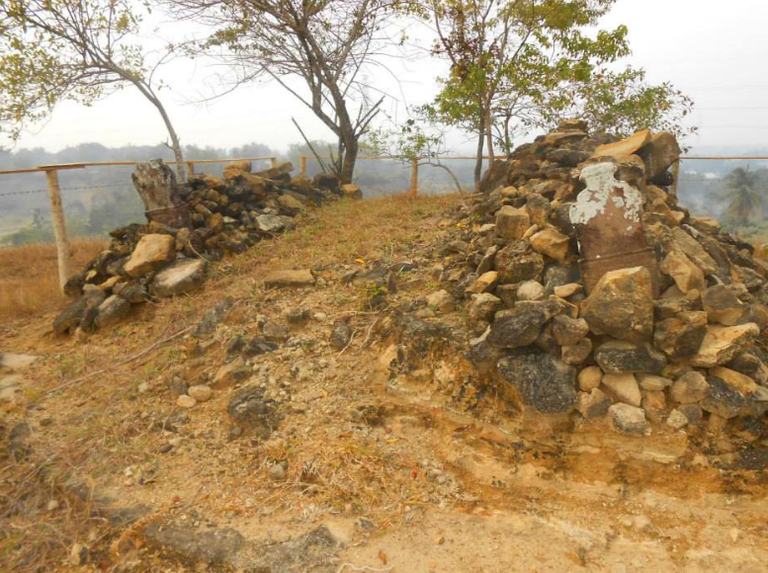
<point>162,197</point>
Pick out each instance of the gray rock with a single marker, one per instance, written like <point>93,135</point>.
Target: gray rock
<point>83,309</point>
<point>133,292</point>
<point>112,311</point>
<point>270,223</point>
<point>182,276</point>
<point>517,262</point>
<point>483,307</point>
<point>277,472</point>
<point>516,327</point>
<point>341,334</point>
<point>568,331</point>
<point>677,420</point>
<point>723,399</point>
<point>212,547</point>
<point>627,419</point>
<point>616,356</point>
<point>250,409</point>
<point>692,412</point>
<point>577,353</point>
<point>212,318</point>
<point>544,382</point>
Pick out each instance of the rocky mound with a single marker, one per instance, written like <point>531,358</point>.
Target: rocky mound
<point>188,226</point>
<point>591,290</point>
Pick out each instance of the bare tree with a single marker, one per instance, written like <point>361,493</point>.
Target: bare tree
<point>325,44</point>
<point>53,50</point>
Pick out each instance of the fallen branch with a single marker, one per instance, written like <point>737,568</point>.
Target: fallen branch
<point>136,356</point>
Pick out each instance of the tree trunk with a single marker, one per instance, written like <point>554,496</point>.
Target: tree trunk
<point>175,144</point>
<point>479,158</point>
<point>156,185</point>
<point>489,136</point>
<point>350,158</point>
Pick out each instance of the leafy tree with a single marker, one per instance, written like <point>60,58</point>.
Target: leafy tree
<point>323,44</point>
<point>740,188</point>
<point>81,50</point>
<point>518,64</point>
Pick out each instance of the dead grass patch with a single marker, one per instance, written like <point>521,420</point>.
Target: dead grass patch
<point>29,280</point>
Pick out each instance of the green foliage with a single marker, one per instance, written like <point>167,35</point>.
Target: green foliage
<point>518,64</point>
<point>743,188</point>
<point>55,50</point>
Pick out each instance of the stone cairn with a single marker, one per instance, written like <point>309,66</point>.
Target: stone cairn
<point>188,225</point>
<point>592,290</point>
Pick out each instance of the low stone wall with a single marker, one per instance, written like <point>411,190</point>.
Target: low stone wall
<point>188,226</point>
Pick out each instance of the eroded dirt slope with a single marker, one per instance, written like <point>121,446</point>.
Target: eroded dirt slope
<point>357,470</point>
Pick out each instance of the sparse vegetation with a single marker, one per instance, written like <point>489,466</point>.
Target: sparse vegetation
<point>28,276</point>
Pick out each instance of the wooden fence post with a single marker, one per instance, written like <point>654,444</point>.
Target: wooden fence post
<point>414,190</point>
<point>302,165</point>
<point>63,248</point>
<point>675,176</point>
<point>273,162</point>
<point>190,168</point>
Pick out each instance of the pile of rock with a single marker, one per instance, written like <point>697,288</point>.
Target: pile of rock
<point>188,226</point>
<point>591,289</point>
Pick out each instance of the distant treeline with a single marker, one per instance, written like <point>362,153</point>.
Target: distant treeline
<point>98,199</point>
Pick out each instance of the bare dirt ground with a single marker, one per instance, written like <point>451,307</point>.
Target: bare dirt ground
<point>406,480</point>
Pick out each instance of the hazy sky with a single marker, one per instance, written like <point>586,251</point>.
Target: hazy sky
<point>713,50</point>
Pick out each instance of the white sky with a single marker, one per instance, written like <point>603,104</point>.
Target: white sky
<point>715,51</point>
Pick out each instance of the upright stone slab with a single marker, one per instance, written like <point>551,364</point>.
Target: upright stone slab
<point>157,187</point>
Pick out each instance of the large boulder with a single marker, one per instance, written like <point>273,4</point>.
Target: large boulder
<point>621,305</point>
<point>181,277</point>
<point>152,252</point>
<point>543,382</point>
<point>660,153</point>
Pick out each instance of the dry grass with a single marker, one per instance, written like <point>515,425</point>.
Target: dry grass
<point>29,280</point>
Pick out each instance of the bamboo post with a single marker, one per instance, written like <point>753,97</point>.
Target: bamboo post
<point>414,190</point>
<point>302,165</point>
<point>273,161</point>
<point>190,168</point>
<point>63,248</point>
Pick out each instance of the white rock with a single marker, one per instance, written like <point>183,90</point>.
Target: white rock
<point>185,401</point>
<point>624,388</point>
<point>677,419</point>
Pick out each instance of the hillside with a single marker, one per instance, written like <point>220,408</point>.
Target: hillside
<point>311,456</point>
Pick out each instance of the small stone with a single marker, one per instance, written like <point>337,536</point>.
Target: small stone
<point>544,383</point>
<point>517,262</point>
<point>722,305</point>
<point>112,311</point>
<point>692,412</point>
<point>484,283</point>
<point>341,334</point>
<point>687,276</point>
<point>231,372</point>
<point>182,276</point>
<point>681,336</point>
<point>351,191</point>
<point>627,419</point>
<point>593,404</point>
<point>623,387</point>
<point>568,331</point>
<point>552,243</point>
<point>277,472</point>
<point>53,505</point>
<point>78,556</point>
<point>282,279</point>
<point>616,357</point>
<point>530,290</point>
<point>320,316</point>
<point>185,401</point>
<point>566,290</point>
<point>143,388</point>
<point>200,392</point>
<point>590,378</point>
<point>578,353</point>
<point>689,388</point>
<point>151,252</point>
<point>512,223</point>
<point>483,306</point>
<point>440,539</point>
<point>516,327</point>
<point>677,420</point>
<point>652,383</point>
<point>442,301</point>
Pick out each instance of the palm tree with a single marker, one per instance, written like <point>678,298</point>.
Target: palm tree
<point>745,205</point>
